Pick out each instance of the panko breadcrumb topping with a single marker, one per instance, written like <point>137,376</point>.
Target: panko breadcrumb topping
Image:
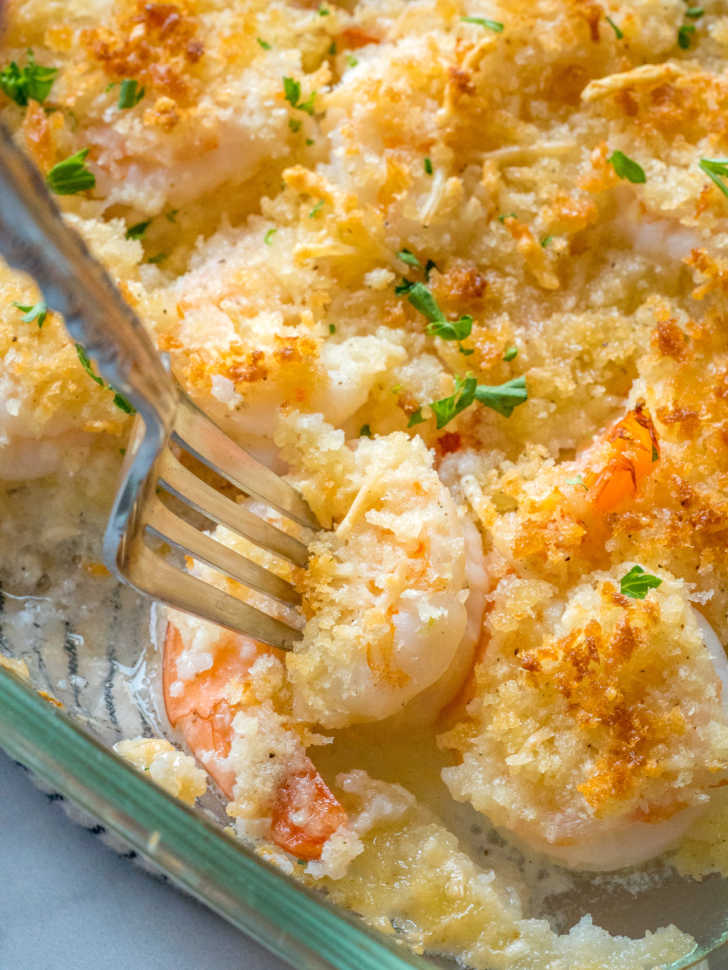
<point>446,265</point>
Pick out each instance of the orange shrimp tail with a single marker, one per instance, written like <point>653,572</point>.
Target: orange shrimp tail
<point>305,797</point>
<point>633,453</point>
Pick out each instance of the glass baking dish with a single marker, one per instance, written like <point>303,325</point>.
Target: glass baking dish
<point>85,641</point>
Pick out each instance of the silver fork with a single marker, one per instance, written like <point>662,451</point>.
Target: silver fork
<point>34,237</point>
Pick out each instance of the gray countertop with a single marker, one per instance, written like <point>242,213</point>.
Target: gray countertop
<point>68,901</point>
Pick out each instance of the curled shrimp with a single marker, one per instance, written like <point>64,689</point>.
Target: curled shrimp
<point>300,810</point>
<point>632,452</point>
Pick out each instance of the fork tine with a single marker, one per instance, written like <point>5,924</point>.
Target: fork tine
<point>202,438</point>
<point>187,487</point>
<point>151,574</point>
<point>174,530</point>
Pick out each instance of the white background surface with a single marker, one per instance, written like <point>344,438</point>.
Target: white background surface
<point>69,903</point>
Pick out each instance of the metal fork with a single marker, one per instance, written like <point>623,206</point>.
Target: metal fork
<point>34,237</point>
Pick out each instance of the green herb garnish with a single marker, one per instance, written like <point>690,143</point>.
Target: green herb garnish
<point>545,241</point>
<point>119,400</point>
<point>448,407</point>
<point>137,231</point>
<point>408,257</point>
<point>578,481</point>
<point>511,353</point>
<point>37,311</point>
<point>416,418</point>
<point>685,35</point>
<point>268,237</point>
<point>503,398</point>
<point>332,328</point>
<point>159,258</point>
<point>507,215</point>
<point>332,48</point>
<point>294,124</point>
<point>292,92</point>
<point>695,13</point>
<point>351,60</point>
<point>637,583</point>
<point>716,169</point>
<point>617,32</point>
<point>495,25</point>
<point>316,209</point>
<point>428,166</point>
<point>263,43</point>
<point>626,168</point>
<point>30,83</point>
<point>130,94</point>
<point>439,326</point>
<point>71,175</point>
<point>365,431</point>
<point>171,216</point>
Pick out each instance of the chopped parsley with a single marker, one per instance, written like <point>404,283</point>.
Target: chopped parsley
<point>685,35</point>
<point>637,583</point>
<point>130,94</point>
<point>503,398</point>
<point>263,43</point>
<point>365,431</point>
<point>507,215</point>
<point>138,229</point>
<point>309,141</point>
<point>30,83</point>
<point>332,48</point>
<point>71,175</point>
<point>546,240</point>
<point>617,32</point>
<point>323,12</point>
<point>119,400</point>
<point>695,13</point>
<point>449,407</point>
<point>171,216</point>
<point>294,124</point>
<point>292,92</point>
<point>626,167</point>
<point>416,418</point>
<point>716,169</point>
<point>438,326</point>
<point>159,258</point>
<point>428,166</point>
<point>579,481</point>
<point>511,353</point>
<point>495,25</point>
<point>429,266</point>
<point>351,60</point>
<point>316,209</point>
<point>268,237</point>
<point>332,328</point>
<point>408,257</point>
<point>38,311</point>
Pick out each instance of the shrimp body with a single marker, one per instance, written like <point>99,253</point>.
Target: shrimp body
<point>210,698</point>
<point>599,724</point>
<point>627,455</point>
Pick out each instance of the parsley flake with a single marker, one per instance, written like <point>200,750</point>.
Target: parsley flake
<point>428,166</point>
<point>617,32</point>
<point>429,266</point>
<point>365,431</point>
<point>578,481</point>
<point>37,311</point>
<point>119,400</point>
<point>316,209</point>
<point>511,353</point>
<point>351,60</point>
<point>71,175</point>
<point>323,12</point>
<point>626,168</point>
<point>685,35</point>
<point>494,25</point>
<point>268,237</point>
<point>439,326</point>
<point>332,48</point>
<point>695,13</point>
<point>332,328</point>
<point>449,407</point>
<point>545,241</point>
<point>294,124</point>
<point>416,418</point>
<point>507,215</point>
<point>503,398</point>
<point>32,82</point>
<point>171,216</point>
<point>137,231</point>
<point>130,94</point>
<point>409,257</point>
<point>159,258</point>
<point>263,43</point>
<point>716,169</point>
<point>292,93</point>
<point>637,583</point>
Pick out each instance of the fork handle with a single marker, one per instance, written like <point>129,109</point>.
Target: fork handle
<point>34,238</point>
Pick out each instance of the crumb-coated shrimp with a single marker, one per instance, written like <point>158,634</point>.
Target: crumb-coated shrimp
<point>626,456</point>
<point>599,723</point>
<point>206,686</point>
